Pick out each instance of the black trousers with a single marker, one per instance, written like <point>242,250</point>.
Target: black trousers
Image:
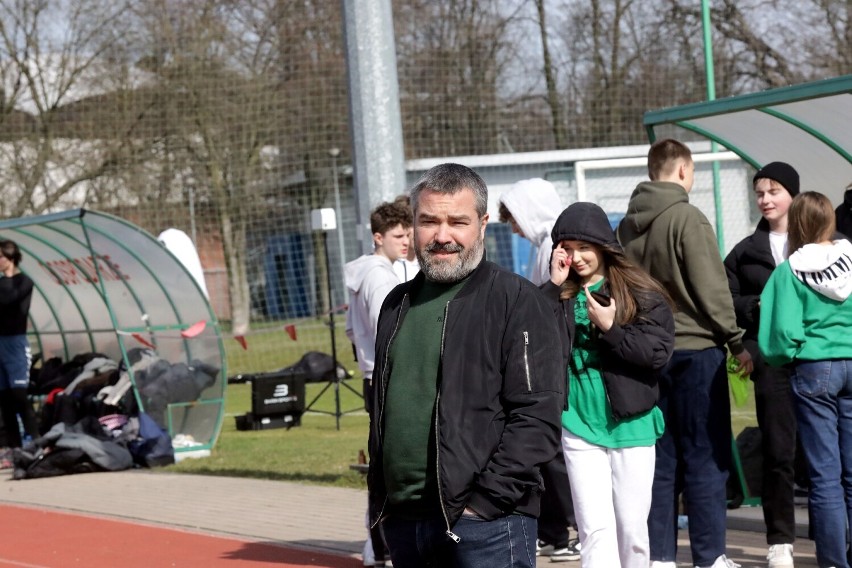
<point>380,548</point>
<point>776,418</point>
<point>557,508</point>
<point>14,403</point>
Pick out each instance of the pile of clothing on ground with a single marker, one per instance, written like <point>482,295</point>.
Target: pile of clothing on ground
<point>109,443</point>
<point>90,420</point>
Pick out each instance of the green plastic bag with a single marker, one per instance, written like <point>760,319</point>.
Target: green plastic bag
<point>738,382</point>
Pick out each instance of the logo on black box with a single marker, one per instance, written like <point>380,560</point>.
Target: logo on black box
<point>280,394</point>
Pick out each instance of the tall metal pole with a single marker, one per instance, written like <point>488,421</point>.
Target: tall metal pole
<point>334,153</point>
<point>374,109</point>
<point>711,95</point>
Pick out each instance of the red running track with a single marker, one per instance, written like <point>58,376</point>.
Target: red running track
<point>37,538</point>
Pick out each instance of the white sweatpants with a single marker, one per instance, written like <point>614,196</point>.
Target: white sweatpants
<point>611,489</point>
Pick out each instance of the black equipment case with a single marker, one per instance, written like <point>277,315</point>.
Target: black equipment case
<point>277,401</point>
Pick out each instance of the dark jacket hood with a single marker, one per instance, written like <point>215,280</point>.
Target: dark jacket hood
<point>584,221</point>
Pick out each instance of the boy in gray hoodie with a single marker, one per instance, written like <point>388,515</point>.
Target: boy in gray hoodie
<point>368,279</point>
<point>674,242</point>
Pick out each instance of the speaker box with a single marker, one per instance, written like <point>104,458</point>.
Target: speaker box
<point>277,393</point>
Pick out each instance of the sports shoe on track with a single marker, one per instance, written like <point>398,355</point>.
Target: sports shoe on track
<point>542,548</point>
<point>723,562</point>
<point>780,556</point>
<point>571,552</point>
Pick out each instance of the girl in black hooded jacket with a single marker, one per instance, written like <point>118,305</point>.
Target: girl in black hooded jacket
<point>620,327</point>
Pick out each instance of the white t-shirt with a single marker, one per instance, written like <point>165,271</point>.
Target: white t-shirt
<point>406,269</point>
<point>778,246</point>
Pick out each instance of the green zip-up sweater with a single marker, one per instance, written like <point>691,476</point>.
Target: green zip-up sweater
<point>674,242</point>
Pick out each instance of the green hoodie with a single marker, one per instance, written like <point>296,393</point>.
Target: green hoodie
<point>674,242</point>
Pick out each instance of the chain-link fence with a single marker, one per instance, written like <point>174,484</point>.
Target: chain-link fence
<point>229,121</point>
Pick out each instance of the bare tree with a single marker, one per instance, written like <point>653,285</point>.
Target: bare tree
<point>825,31</point>
<point>231,107</point>
<point>213,122</point>
<point>759,45</point>
<point>310,75</point>
<point>607,47</point>
<point>52,55</point>
<point>554,102</point>
<point>246,92</point>
<point>452,54</point>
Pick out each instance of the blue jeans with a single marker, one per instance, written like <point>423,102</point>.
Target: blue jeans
<point>693,456</point>
<point>506,542</point>
<point>15,361</point>
<point>822,392</point>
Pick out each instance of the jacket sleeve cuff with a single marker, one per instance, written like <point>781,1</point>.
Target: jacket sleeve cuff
<point>484,507</point>
<point>614,335</point>
<point>736,346</point>
<point>551,290</point>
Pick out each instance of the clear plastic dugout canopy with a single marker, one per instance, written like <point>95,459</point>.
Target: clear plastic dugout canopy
<point>107,286</point>
<point>806,125</point>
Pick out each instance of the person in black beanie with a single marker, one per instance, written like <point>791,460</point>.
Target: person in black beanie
<point>748,267</point>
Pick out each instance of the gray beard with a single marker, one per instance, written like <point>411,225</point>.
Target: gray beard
<point>447,272</point>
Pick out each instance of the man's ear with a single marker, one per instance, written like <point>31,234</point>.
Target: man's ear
<point>681,170</point>
<point>378,240</point>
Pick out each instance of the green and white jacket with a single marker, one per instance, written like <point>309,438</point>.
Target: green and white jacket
<point>805,313</point>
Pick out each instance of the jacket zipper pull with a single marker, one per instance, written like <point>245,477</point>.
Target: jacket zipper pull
<point>453,536</point>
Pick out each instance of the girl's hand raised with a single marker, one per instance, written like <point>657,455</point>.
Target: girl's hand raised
<point>600,315</point>
<point>560,265</point>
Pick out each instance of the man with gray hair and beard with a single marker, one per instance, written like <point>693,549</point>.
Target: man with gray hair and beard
<point>468,393</point>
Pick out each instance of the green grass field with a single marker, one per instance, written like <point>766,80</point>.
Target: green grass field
<point>270,348</point>
<point>316,452</point>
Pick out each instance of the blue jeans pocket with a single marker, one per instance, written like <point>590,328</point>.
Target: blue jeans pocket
<point>812,379</point>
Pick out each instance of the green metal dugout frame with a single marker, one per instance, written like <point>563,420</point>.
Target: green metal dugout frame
<point>105,285</point>
<point>806,125</point>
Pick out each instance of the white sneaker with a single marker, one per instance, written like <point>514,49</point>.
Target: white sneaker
<point>543,549</point>
<point>723,562</point>
<point>571,552</point>
<point>367,555</point>
<point>661,564</point>
<point>780,556</point>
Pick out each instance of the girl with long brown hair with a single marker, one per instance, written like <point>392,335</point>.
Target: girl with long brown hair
<point>619,325</point>
<point>805,318</point>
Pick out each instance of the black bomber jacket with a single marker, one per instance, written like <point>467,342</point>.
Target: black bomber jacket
<point>499,399</point>
<point>631,355</point>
